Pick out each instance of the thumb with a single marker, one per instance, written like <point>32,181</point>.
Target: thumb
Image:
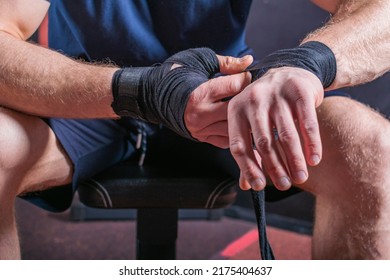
<point>233,65</point>
<point>225,87</point>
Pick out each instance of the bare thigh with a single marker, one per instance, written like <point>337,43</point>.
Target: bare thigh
<point>31,158</point>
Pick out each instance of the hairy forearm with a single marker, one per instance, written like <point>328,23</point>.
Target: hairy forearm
<point>359,35</point>
<point>39,81</point>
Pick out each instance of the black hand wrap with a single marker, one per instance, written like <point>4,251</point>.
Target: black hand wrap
<point>313,56</point>
<point>160,94</point>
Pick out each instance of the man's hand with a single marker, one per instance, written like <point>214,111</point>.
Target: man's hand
<point>273,127</point>
<point>160,94</point>
<point>206,111</point>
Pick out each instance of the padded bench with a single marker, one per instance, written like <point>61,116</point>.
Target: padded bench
<point>158,192</point>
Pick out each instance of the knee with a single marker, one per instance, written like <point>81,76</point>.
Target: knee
<point>356,143</point>
<point>356,132</point>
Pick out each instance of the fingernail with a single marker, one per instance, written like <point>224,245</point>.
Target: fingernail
<point>284,182</point>
<point>245,57</point>
<point>257,184</point>
<point>300,177</point>
<point>315,159</point>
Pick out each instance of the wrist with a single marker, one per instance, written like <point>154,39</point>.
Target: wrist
<point>312,56</point>
<point>126,85</point>
<point>159,94</point>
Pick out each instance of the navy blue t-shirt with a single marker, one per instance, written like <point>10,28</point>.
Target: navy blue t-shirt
<point>144,32</point>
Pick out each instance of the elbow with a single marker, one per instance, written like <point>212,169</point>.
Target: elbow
<point>12,31</point>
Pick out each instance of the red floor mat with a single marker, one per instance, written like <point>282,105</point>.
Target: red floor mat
<point>286,245</point>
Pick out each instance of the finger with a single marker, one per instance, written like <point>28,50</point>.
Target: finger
<point>215,134</point>
<point>225,87</point>
<point>291,148</point>
<point>240,144</point>
<point>233,65</point>
<point>265,144</point>
<point>216,112</point>
<point>199,122</point>
<point>218,141</point>
<point>309,130</point>
<point>218,129</point>
<point>244,185</point>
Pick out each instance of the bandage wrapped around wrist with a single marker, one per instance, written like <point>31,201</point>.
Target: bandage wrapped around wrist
<point>313,56</point>
<point>160,94</point>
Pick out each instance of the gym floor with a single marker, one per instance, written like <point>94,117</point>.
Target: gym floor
<point>50,236</point>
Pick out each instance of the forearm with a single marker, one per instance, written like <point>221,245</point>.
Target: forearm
<point>42,82</point>
<point>359,36</point>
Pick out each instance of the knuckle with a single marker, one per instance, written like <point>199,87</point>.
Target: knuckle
<point>252,96</point>
<point>263,144</point>
<point>226,62</point>
<point>287,135</point>
<point>249,172</point>
<point>200,93</point>
<point>229,60</point>
<point>313,147</point>
<point>191,119</point>
<point>234,106</point>
<point>296,162</point>
<point>296,92</point>
<point>274,169</point>
<point>290,86</point>
<point>235,85</point>
<point>237,148</point>
<point>311,127</point>
<point>301,101</point>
